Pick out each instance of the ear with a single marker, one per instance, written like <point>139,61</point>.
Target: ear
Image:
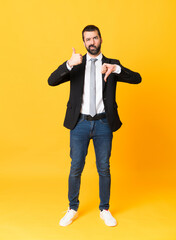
<point>101,40</point>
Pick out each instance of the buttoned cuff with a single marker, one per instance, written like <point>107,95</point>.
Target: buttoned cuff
<point>69,68</point>
<point>118,69</point>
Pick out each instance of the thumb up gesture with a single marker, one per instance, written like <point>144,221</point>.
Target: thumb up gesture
<point>75,59</point>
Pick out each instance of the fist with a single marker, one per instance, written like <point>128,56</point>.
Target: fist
<point>107,69</point>
<point>75,59</point>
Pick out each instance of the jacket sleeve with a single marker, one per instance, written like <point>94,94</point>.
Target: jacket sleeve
<point>60,75</point>
<point>128,76</point>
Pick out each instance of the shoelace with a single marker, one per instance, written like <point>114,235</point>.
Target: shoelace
<point>108,214</point>
<point>67,212</point>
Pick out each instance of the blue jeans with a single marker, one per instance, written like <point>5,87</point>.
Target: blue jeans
<point>80,136</point>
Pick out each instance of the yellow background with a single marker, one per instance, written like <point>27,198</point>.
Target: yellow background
<point>36,37</point>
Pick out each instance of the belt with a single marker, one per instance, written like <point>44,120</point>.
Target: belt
<point>96,117</point>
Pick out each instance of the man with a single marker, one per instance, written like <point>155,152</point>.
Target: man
<point>91,114</point>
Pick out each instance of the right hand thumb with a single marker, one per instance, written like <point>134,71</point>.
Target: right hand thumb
<point>74,51</point>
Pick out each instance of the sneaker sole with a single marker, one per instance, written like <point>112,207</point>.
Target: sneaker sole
<point>112,225</point>
<point>64,225</point>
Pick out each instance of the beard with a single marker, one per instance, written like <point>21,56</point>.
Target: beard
<point>94,50</point>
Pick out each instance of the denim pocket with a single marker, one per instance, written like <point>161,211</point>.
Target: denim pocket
<point>80,120</point>
<point>104,120</point>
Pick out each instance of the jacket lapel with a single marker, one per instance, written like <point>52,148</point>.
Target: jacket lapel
<point>82,73</point>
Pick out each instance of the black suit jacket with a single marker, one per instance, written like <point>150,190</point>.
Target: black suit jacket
<point>76,78</point>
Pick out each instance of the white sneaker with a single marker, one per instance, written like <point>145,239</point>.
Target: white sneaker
<point>68,218</point>
<point>108,218</point>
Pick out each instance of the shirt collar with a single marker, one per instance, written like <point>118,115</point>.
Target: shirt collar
<point>99,57</point>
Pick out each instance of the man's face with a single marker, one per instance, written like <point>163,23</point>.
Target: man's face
<point>92,42</point>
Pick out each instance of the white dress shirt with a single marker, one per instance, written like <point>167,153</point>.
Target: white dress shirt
<point>99,88</point>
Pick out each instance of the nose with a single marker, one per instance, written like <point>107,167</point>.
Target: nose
<point>92,41</point>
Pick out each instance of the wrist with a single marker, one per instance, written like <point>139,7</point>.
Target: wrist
<point>70,64</point>
<point>115,68</point>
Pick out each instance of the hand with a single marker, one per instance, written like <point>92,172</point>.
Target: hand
<point>107,69</point>
<point>75,59</point>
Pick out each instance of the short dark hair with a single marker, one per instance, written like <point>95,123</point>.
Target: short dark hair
<point>90,28</point>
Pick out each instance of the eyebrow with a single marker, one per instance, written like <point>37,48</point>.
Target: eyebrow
<point>90,38</point>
